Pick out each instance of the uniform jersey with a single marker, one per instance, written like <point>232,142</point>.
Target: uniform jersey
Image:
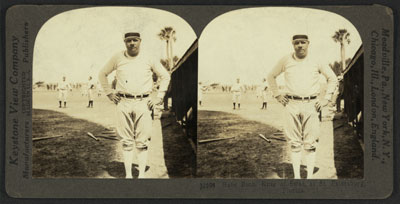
<point>237,87</point>
<point>302,76</point>
<point>91,84</point>
<point>134,74</point>
<point>64,85</point>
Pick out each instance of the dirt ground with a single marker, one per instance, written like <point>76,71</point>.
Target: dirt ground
<point>247,155</point>
<point>76,155</point>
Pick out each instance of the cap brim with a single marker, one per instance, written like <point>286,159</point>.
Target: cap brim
<point>133,37</point>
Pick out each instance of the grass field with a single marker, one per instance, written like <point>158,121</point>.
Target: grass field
<point>75,155</point>
<point>247,155</point>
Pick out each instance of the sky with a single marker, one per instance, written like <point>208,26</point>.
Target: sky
<point>247,43</point>
<point>78,43</point>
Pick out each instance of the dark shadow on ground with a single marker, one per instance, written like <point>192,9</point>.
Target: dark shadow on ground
<point>285,171</point>
<point>244,156</point>
<point>75,155</point>
<point>349,156</point>
<point>179,156</point>
<point>116,169</point>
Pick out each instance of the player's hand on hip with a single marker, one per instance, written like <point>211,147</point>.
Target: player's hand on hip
<point>154,102</point>
<point>114,98</point>
<point>320,104</point>
<point>282,99</point>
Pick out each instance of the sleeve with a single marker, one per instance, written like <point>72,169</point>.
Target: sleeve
<point>332,80</point>
<point>164,76</point>
<point>104,72</point>
<point>275,72</point>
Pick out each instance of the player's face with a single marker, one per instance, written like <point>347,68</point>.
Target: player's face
<point>63,78</point>
<point>301,47</point>
<point>133,44</point>
<point>237,80</point>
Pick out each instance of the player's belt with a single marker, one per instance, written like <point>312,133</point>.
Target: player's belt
<point>132,96</point>
<point>301,98</point>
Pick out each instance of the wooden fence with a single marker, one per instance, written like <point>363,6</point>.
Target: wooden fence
<point>353,93</point>
<point>183,92</point>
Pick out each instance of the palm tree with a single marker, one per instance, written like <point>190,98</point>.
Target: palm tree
<point>168,34</point>
<point>337,66</point>
<point>342,36</point>
<point>165,63</point>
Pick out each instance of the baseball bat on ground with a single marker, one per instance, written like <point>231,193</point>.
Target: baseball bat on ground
<point>108,132</point>
<point>108,137</point>
<point>264,138</point>
<point>214,140</point>
<point>45,138</point>
<point>92,136</point>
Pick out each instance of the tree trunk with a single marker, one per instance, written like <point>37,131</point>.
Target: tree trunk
<point>168,55</point>
<point>172,55</point>
<point>342,52</point>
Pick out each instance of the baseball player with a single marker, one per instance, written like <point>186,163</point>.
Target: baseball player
<point>63,88</point>
<point>200,92</point>
<point>90,89</point>
<point>263,93</point>
<point>134,106</point>
<point>236,90</point>
<point>302,103</point>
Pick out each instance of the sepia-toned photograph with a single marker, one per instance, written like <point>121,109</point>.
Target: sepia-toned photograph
<point>108,97</point>
<point>280,96</point>
<point>199,101</point>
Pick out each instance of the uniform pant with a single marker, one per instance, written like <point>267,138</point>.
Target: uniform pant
<point>90,94</point>
<point>236,97</point>
<point>302,125</point>
<point>134,123</point>
<point>62,95</point>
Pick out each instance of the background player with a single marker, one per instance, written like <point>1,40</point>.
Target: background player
<point>90,90</point>
<point>236,90</point>
<point>63,88</point>
<point>263,93</point>
<point>200,90</point>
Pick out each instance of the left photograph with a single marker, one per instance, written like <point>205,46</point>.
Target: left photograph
<point>113,95</point>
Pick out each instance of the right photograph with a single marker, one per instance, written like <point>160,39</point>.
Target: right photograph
<point>280,96</point>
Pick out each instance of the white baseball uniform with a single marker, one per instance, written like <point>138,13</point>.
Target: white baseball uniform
<point>200,92</point>
<point>90,88</point>
<point>302,82</point>
<point>236,92</point>
<point>134,78</point>
<point>264,91</point>
<point>63,88</point>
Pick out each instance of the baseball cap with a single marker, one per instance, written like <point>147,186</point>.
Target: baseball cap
<point>300,37</point>
<point>132,35</point>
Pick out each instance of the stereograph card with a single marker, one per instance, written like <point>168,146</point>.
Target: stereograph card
<point>222,102</point>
